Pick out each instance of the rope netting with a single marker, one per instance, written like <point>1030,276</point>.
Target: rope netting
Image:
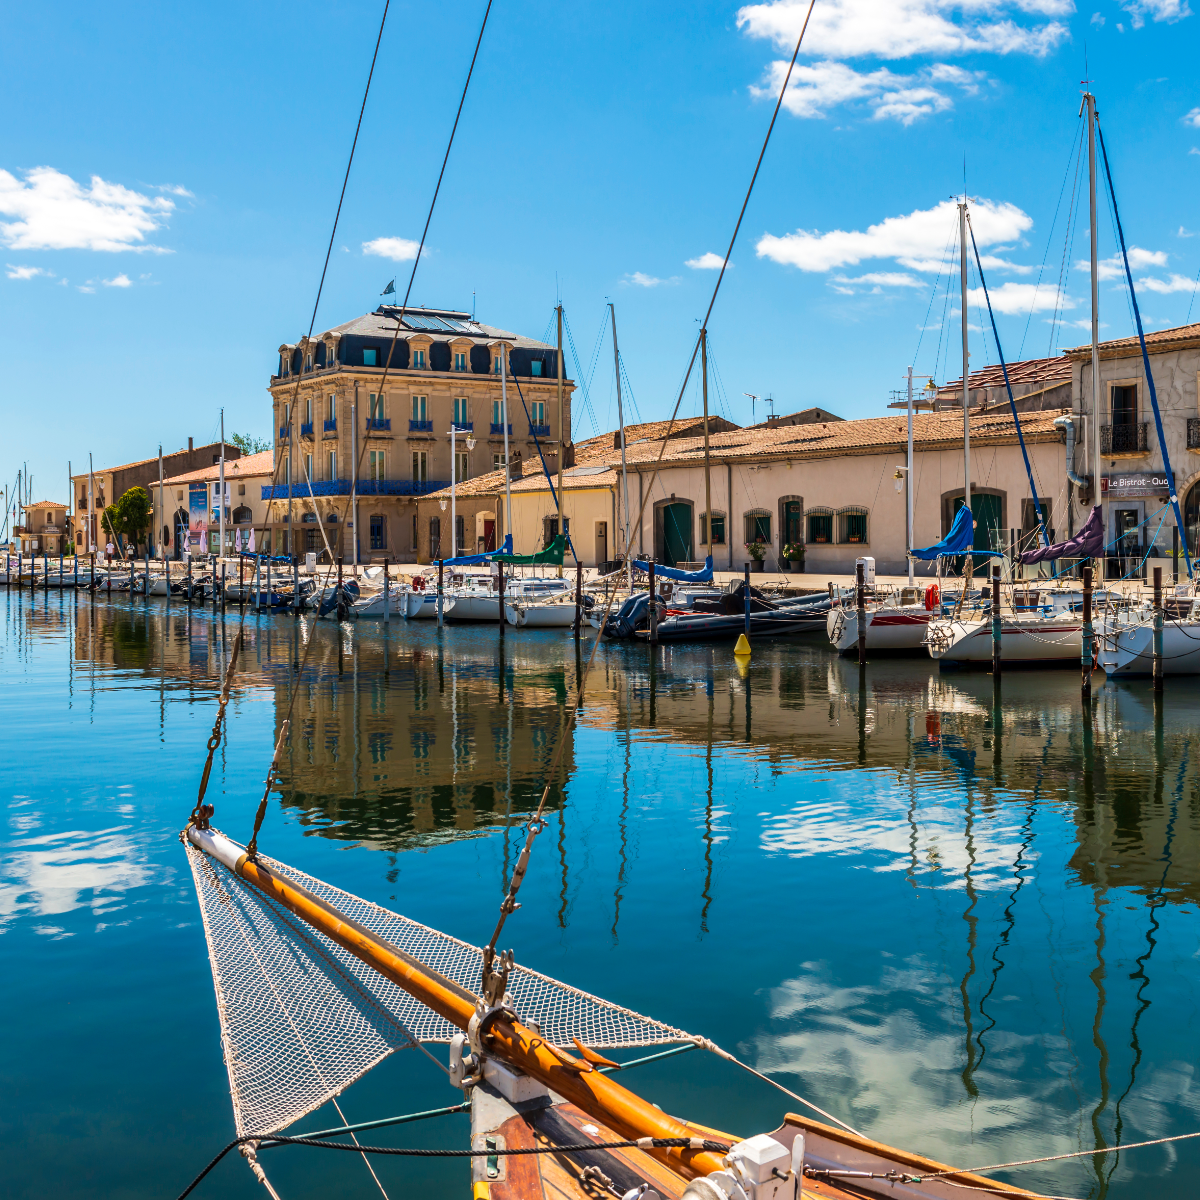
<point>302,1018</point>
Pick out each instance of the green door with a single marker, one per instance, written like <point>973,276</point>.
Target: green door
<point>793,523</point>
<point>677,533</point>
<point>985,510</point>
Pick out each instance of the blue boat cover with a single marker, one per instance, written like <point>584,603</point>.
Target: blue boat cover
<point>957,541</point>
<point>704,575</point>
<point>473,560</point>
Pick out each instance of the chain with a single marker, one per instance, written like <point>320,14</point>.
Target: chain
<point>202,811</point>
<point>272,772</point>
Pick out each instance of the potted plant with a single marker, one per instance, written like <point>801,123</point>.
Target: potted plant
<point>758,551</point>
<point>792,555</point>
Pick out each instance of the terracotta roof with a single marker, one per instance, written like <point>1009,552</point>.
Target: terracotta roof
<point>141,462</point>
<point>873,435</point>
<point>1041,371</point>
<point>46,504</point>
<point>240,468</point>
<point>1160,341</point>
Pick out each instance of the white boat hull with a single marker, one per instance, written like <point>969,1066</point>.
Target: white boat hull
<point>421,606</point>
<point>889,627</point>
<point>540,616</point>
<point>373,606</point>
<point>1022,640</point>
<point>476,607</point>
<point>1129,652</point>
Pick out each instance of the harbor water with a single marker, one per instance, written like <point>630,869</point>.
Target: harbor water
<point>963,919</point>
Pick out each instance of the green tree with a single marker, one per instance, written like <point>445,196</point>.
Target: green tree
<point>248,444</point>
<point>133,510</point>
<point>113,524</point>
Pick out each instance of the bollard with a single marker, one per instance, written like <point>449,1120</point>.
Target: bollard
<point>440,600</point>
<point>996,629</point>
<point>653,609</point>
<point>387,604</point>
<point>1087,635</point>
<point>578,597</point>
<point>861,600</point>
<point>500,585</point>
<point>1157,675</point>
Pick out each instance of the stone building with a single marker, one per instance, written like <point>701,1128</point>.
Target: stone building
<point>45,528</point>
<point>368,407</point>
<point>190,517</point>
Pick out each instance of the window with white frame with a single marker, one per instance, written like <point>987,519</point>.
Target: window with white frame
<point>460,410</point>
<point>497,412</point>
<point>497,462</point>
<point>308,467</point>
<point>460,467</point>
<point>375,464</point>
<point>418,360</point>
<point>419,406</point>
<point>376,406</point>
<point>331,407</point>
<point>420,466</point>
<point>332,465</point>
<point>308,410</point>
<point>537,412</point>
<point>460,360</point>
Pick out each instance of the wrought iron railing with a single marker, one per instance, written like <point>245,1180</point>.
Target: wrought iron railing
<point>464,426</point>
<point>1193,433</point>
<point>284,433</point>
<point>498,429</point>
<point>306,429</point>
<point>420,427</point>
<point>379,424</point>
<point>364,487</point>
<point>331,426</point>
<point>542,431</point>
<point>1124,439</point>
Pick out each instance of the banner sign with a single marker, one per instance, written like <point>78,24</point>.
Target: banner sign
<point>198,518</point>
<point>1134,485</point>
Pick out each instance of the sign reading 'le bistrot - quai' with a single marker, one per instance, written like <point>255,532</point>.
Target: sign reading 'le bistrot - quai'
<point>1131,485</point>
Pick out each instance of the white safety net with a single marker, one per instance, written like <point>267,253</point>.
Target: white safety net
<point>302,1019</point>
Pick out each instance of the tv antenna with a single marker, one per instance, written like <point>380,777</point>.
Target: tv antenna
<point>753,398</point>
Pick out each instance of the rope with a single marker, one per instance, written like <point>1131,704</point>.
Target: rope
<point>646,1143</point>
<point>199,816</point>
<point>494,983</point>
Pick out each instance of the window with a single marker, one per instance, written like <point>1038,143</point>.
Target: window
<point>535,367</point>
<point>1029,521</point>
<point>332,465</point>
<point>497,462</point>
<point>308,363</point>
<point>460,533</point>
<point>852,526</point>
<point>375,468</point>
<point>378,533</point>
<point>460,360</point>
<point>820,526</point>
<point>369,357</point>
<point>331,407</point>
<point>497,412</point>
<point>460,468</point>
<point>420,466</point>
<point>460,410</point>
<point>435,537</point>
<point>308,466</point>
<point>310,539</point>
<point>376,407</point>
<point>419,404</point>
<point>718,522</point>
<point>1124,405</point>
<point>496,364</point>
<point>241,489</point>
<point>758,526</point>
<point>537,409</point>
<point>418,360</point>
<point>413,547</point>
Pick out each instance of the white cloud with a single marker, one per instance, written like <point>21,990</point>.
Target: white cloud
<point>175,189</point>
<point>1193,119</point>
<point>1022,298</point>
<point>993,263</point>
<point>904,98</point>
<point>903,28</point>
<point>1114,267</point>
<point>121,281</point>
<point>23,272</point>
<point>1185,233</point>
<point>641,279</point>
<point>53,212</point>
<point>1157,10</point>
<point>1194,150</point>
<point>916,241</point>
<point>1176,283</point>
<point>1098,20</point>
<point>83,287</point>
<point>398,249</point>
<point>875,281</point>
<point>708,261</point>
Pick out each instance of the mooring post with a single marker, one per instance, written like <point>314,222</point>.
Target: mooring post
<point>92,579</point>
<point>223,565</point>
<point>996,628</point>
<point>440,593</point>
<point>747,598</point>
<point>337,596</point>
<point>500,585</point>
<point>147,591</point>
<point>653,609</point>
<point>189,579</point>
<point>1157,676</point>
<point>1174,555</point>
<point>578,597</point>
<point>241,583</point>
<point>1086,656</point>
<point>387,602</point>
<point>861,600</point>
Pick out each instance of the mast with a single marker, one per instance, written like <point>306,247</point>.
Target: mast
<point>966,367</point>
<point>162,516</point>
<point>507,464</point>
<point>91,507</point>
<point>1090,103</point>
<point>562,437</point>
<point>353,481</point>
<point>908,482</point>
<point>624,470</point>
<point>707,476</point>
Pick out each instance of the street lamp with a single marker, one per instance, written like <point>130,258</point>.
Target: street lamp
<point>454,431</point>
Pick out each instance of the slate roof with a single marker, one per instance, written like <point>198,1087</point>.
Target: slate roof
<point>382,323</point>
<point>262,463</point>
<point>1160,341</point>
<point>829,439</point>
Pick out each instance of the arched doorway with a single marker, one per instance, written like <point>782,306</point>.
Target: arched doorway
<point>673,531</point>
<point>1191,518</point>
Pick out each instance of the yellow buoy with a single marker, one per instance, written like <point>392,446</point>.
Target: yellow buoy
<point>743,646</point>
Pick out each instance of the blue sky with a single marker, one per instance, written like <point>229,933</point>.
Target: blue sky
<point>169,175</point>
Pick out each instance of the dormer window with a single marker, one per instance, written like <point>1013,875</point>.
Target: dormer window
<point>535,367</point>
<point>496,364</point>
<point>418,360</point>
<point>460,360</point>
<point>308,363</point>
<point>369,358</point>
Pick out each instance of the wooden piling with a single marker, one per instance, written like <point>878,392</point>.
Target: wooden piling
<point>997,630</point>
<point>1157,670</point>
<point>1086,658</point>
<point>500,585</point>
<point>861,600</point>
<point>387,600</point>
<point>747,599</point>
<point>654,609</point>
<point>578,597</point>
<point>441,593</point>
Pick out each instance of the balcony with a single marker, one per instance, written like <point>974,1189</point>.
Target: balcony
<point>498,430</point>
<point>420,427</point>
<point>379,424</point>
<point>306,429</point>
<point>284,433</point>
<point>463,426</point>
<point>364,487</point>
<point>331,426</point>
<point>1193,433</point>
<point>1127,440</point>
<point>539,431</point>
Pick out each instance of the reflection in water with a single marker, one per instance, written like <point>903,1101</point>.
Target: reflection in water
<point>813,823</point>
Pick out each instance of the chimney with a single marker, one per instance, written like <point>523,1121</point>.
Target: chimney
<point>190,445</point>
<point>772,422</point>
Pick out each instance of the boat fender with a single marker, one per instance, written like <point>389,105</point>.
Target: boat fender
<point>933,597</point>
